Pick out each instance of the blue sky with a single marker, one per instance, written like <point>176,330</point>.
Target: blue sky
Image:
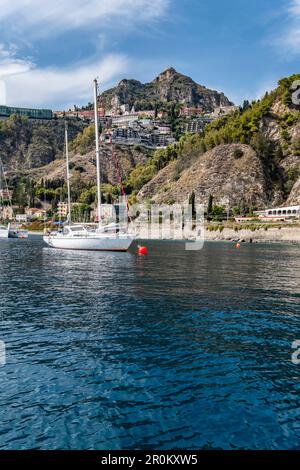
<point>50,51</point>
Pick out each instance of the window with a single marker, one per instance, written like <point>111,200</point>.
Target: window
<point>77,229</point>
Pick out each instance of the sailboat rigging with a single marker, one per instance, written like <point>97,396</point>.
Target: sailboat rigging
<point>78,237</point>
<point>13,230</point>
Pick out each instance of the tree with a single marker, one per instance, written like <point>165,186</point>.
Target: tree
<point>238,153</point>
<point>210,205</point>
<point>218,212</point>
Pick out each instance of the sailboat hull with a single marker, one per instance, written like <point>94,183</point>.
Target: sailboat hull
<point>121,243</point>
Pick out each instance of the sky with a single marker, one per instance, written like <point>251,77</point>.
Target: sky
<point>50,51</point>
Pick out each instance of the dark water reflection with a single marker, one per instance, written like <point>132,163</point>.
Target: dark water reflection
<point>179,349</point>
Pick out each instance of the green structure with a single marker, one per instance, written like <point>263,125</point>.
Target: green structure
<point>6,111</point>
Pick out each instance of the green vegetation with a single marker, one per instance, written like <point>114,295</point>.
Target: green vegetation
<point>296,146</point>
<point>243,126</point>
<point>142,174</point>
<point>84,141</point>
<point>293,174</point>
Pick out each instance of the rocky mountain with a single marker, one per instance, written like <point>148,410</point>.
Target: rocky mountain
<point>169,86</point>
<point>250,157</point>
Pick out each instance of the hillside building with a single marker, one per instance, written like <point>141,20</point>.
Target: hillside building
<point>195,126</point>
<point>280,213</point>
<point>62,209</point>
<point>7,111</point>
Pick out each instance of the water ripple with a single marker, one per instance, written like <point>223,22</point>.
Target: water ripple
<point>175,350</point>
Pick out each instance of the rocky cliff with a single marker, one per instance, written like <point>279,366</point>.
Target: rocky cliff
<point>29,144</point>
<point>219,173</point>
<point>169,86</point>
<point>83,166</point>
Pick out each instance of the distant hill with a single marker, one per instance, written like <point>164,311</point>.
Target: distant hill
<point>169,86</point>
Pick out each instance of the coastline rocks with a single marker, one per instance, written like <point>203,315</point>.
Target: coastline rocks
<point>217,173</point>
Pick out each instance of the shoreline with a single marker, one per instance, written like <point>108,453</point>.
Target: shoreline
<point>261,235</point>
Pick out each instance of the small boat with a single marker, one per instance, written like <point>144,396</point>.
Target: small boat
<point>78,237</point>
<point>17,232</point>
<point>4,231</point>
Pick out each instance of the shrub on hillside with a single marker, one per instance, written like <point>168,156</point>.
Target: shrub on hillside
<point>238,153</point>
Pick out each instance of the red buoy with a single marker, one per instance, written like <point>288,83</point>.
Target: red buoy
<point>143,250</point>
<point>238,246</point>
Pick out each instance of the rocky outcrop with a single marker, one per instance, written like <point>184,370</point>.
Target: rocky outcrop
<point>265,234</point>
<point>294,197</point>
<point>27,144</point>
<point>220,172</point>
<point>85,165</point>
<point>169,86</point>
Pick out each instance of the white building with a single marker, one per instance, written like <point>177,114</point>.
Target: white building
<point>223,111</point>
<point>280,212</point>
<point>21,218</point>
<point>62,209</point>
<point>35,213</point>
<point>125,119</point>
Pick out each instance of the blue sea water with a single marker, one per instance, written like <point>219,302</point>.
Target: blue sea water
<point>178,349</point>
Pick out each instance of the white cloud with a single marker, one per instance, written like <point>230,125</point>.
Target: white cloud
<point>294,7</point>
<point>10,64</point>
<point>289,42</point>
<point>41,17</point>
<point>56,87</point>
<point>25,84</point>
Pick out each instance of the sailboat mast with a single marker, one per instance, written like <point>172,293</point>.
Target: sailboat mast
<point>68,171</point>
<point>6,183</point>
<point>97,151</point>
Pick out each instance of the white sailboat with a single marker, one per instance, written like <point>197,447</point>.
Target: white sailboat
<point>78,237</point>
<point>13,230</point>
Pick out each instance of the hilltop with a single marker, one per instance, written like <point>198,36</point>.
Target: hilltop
<point>169,86</point>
